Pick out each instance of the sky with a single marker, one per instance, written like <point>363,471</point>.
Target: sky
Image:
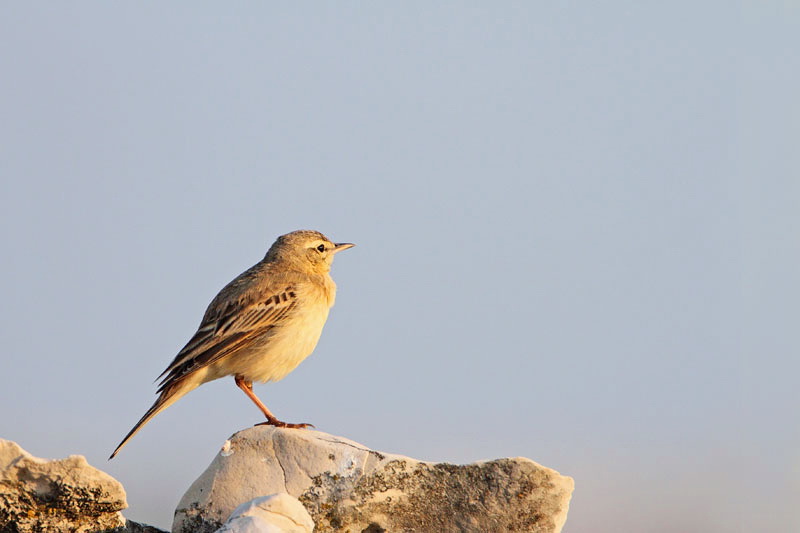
<point>577,228</point>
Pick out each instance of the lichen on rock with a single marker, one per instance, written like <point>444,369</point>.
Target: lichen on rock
<point>56,495</point>
<point>346,486</point>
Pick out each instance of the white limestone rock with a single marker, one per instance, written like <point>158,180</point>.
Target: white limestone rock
<point>345,485</point>
<point>277,513</point>
<point>56,495</point>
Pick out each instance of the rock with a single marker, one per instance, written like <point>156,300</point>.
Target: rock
<point>56,495</point>
<point>277,513</point>
<point>346,486</point>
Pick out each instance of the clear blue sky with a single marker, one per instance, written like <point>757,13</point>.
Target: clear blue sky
<point>577,231</point>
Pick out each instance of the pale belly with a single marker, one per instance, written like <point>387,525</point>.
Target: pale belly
<point>280,352</point>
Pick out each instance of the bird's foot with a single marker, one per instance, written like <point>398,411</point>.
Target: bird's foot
<point>280,424</point>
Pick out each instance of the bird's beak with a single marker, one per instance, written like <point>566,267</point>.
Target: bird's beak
<point>342,246</point>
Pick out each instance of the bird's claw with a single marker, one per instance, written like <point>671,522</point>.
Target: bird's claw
<point>280,424</point>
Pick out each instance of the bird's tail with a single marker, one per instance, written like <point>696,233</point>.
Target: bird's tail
<point>169,396</point>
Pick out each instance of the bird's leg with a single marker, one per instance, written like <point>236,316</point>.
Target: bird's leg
<point>247,387</point>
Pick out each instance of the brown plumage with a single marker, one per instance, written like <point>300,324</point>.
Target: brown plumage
<point>259,327</point>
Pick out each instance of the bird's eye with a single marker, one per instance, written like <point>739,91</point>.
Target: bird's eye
<point>321,248</point>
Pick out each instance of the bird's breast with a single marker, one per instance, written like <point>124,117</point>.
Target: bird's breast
<point>283,348</point>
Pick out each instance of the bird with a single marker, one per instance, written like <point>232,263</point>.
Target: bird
<point>259,327</point>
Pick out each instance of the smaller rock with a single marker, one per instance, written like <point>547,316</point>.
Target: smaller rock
<point>56,495</point>
<point>276,513</point>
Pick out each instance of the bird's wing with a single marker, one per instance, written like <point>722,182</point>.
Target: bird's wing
<point>228,327</point>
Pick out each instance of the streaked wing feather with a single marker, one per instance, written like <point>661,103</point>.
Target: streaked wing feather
<point>217,351</point>
<point>222,333</point>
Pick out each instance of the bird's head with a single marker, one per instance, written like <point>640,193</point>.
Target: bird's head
<point>307,249</point>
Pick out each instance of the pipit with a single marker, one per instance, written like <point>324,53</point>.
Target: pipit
<point>259,327</point>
